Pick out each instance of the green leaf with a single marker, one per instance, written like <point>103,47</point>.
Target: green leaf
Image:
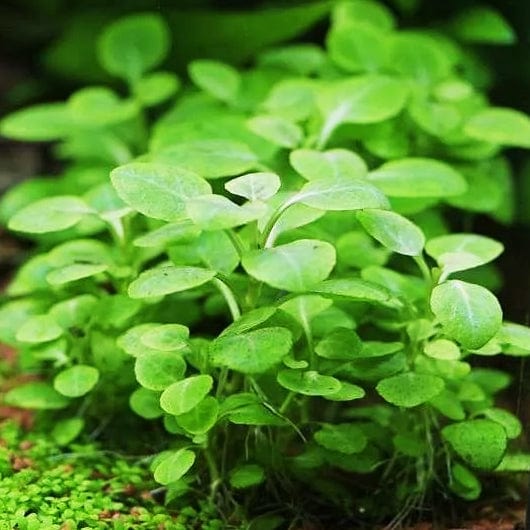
<point>166,337</point>
<point>354,288</point>
<point>156,88</point>
<point>220,80</point>
<point>448,404</point>
<point>464,483</point>
<point>301,59</point>
<point>483,25</point>
<point>340,344</point>
<point>201,418</point>
<point>50,215</point>
<point>458,252</point>
<point>37,395</point>
<point>146,403</point>
<point>39,123</point>
<point>173,466</point>
<point>157,191</point>
<point>211,159</point>
<point>255,414</point>
<point>410,389</point>
<point>67,430</point>
<point>358,47</point>
<point>516,336</point>
<point>511,423</point>
<point>418,177</point>
<point>443,349</point>
<point>334,164</point>
<point>468,313</point>
<point>246,476</point>
<point>366,11</point>
<point>499,125</point>
<point>305,308</point>
<point>279,131</point>
<point>39,328</point>
<point>513,463</point>
<point>253,352</point>
<point>480,443</point>
<point>309,383</point>
<point>168,279</point>
<point>295,266</point>
<point>74,272</point>
<point>183,396</point>
<point>216,212</point>
<point>291,99</point>
<point>393,231</point>
<point>346,438</point>
<point>133,45</point>
<point>216,250</point>
<point>131,342</point>
<point>340,195</point>
<point>158,370</point>
<point>76,381</point>
<point>347,392</point>
<point>364,99</point>
<point>249,320</point>
<point>255,186</point>
<point>180,232</point>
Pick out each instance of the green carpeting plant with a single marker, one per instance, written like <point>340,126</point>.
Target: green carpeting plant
<point>270,272</point>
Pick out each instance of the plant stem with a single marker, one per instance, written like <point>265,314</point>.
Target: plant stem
<point>236,241</point>
<point>268,236</point>
<point>424,268</point>
<point>286,402</point>
<point>215,477</point>
<point>229,297</point>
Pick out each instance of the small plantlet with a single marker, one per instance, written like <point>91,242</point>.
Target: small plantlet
<point>270,271</point>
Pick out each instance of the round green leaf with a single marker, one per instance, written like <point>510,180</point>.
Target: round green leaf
<point>156,371</point>
<point>309,383</point>
<point>146,403</point>
<point>157,191</point>
<point>443,349</point>
<point>246,476</point>
<point>201,418</point>
<point>334,164</point>
<point>133,45</point>
<point>368,12</point>
<point>39,328</point>
<point>76,381</point>
<point>483,25</point>
<point>393,231</point>
<point>480,443</point>
<point>166,337</point>
<point>173,466</point>
<point>50,215</point>
<point>255,186</point>
<point>347,392</point>
<point>220,80</point>
<point>511,423</point>
<point>67,430</point>
<point>464,483</point>
<point>304,308</point>
<point>183,396</point>
<point>340,344</point>
<point>292,99</point>
<point>468,313</point>
<point>253,352</point>
<point>418,177</point>
<point>346,438</point>
<point>410,389</point>
<point>169,279</point>
<point>131,340</point>
<point>279,131</point>
<point>295,266</point>
<point>155,88</point>
<point>249,320</point>
<point>37,395</point>
<point>180,232</point>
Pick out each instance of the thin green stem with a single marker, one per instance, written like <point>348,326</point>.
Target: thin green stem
<point>236,241</point>
<point>286,402</point>
<point>425,271</point>
<point>229,297</point>
<point>215,477</point>
<point>268,236</point>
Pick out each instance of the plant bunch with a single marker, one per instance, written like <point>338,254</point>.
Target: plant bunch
<point>270,270</point>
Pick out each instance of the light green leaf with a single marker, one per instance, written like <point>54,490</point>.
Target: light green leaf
<point>516,336</point>
<point>255,414</point>
<point>181,232</point>
<point>76,381</point>
<point>201,418</point>
<point>36,395</point>
<point>131,342</point>
<point>74,272</point>
<point>209,158</point>
<point>511,423</point>
<point>480,443</point>
<point>340,195</point>
<point>340,344</point>
<point>39,328</point>
<point>301,59</point>
<point>67,430</point>
<point>448,404</point>
<point>39,123</point>
<point>156,88</point>
<point>346,438</point>
<point>306,307</point>
<point>277,130</point>
<point>183,396</point>
<point>409,389</point>
<point>354,288</point>
<point>483,25</point>
<point>146,403</point>
<point>393,231</point>
<point>133,45</point>
<point>292,99</point>
<point>173,466</point>
<point>334,164</point>
<point>157,191</point>
<point>50,215</point>
<point>220,80</point>
<point>249,320</point>
<point>216,251</point>
<point>166,337</point>
<point>468,313</point>
<point>216,212</point>
<point>464,483</point>
<point>246,476</point>
<point>253,352</point>
<point>366,11</point>
<point>418,177</point>
<point>255,186</point>
<point>295,266</point>
<point>499,125</point>
<point>158,370</point>
<point>347,392</point>
<point>168,279</point>
<point>513,463</point>
<point>443,349</point>
<point>309,383</point>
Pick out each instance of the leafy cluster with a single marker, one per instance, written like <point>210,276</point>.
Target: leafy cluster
<point>270,272</point>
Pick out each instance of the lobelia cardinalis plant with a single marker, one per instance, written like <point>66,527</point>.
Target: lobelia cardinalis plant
<point>270,271</point>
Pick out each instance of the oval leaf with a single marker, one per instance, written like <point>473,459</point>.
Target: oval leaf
<point>183,396</point>
<point>156,371</point>
<point>76,381</point>
<point>410,389</point>
<point>345,438</point>
<point>174,466</point>
<point>254,186</point>
<point>309,383</point>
